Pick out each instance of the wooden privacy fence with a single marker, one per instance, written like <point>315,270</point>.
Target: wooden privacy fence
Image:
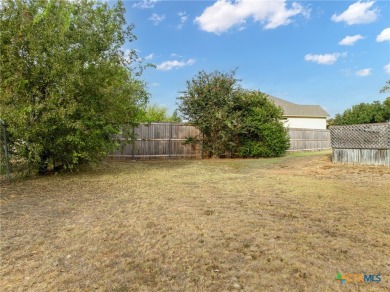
<point>361,144</point>
<point>162,140</point>
<point>309,139</point>
<point>166,140</point>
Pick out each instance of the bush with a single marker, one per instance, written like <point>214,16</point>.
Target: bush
<point>233,120</point>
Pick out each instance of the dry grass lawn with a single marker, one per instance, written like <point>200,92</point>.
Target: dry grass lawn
<point>285,224</point>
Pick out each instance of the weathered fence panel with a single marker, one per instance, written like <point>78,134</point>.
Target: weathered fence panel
<point>361,144</point>
<point>162,140</point>
<point>362,156</point>
<point>309,139</point>
<point>166,140</point>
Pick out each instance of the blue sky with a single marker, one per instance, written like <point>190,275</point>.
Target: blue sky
<point>332,53</point>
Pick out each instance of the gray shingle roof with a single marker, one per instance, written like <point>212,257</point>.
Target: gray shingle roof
<point>297,110</point>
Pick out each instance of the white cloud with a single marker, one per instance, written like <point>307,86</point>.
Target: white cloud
<point>384,35</point>
<point>364,72</point>
<point>224,14</point>
<point>387,68</point>
<point>325,59</point>
<point>357,13</point>
<point>156,18</point>
<point>169,65</point>
<point>145,4</point>
<point>350,40</point>
<point>149,57</point>
<point>183,19</point>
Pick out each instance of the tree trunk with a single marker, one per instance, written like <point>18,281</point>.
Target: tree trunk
<point>43,164</point>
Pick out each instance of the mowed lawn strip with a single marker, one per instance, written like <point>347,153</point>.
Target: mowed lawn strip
<point>281,224</point>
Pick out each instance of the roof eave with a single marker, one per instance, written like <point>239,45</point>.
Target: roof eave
<point>302,116</point>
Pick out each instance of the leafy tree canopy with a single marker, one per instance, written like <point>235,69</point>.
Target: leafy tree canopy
<point>365,113</point>
<point>233,120</point>
<point>66,85</point>
<point>157,113</point>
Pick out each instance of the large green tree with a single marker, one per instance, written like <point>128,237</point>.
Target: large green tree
<point>233,120</point>
<point>204,104</point>
<point>366,113</point>
<point>66,85</point>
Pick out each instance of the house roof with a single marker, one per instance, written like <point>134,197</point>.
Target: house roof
<point>297,110</point>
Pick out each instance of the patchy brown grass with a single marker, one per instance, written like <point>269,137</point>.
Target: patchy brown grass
<point>286,224</point>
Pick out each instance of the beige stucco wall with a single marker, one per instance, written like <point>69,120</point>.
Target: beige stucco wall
<point>305,123</point>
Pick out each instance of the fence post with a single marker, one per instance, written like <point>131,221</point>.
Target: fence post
<point>133,146</point>
<point>202,153</point>
<point>170,141</point>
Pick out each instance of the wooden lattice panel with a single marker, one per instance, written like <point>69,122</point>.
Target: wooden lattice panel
<point>364,136</point>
